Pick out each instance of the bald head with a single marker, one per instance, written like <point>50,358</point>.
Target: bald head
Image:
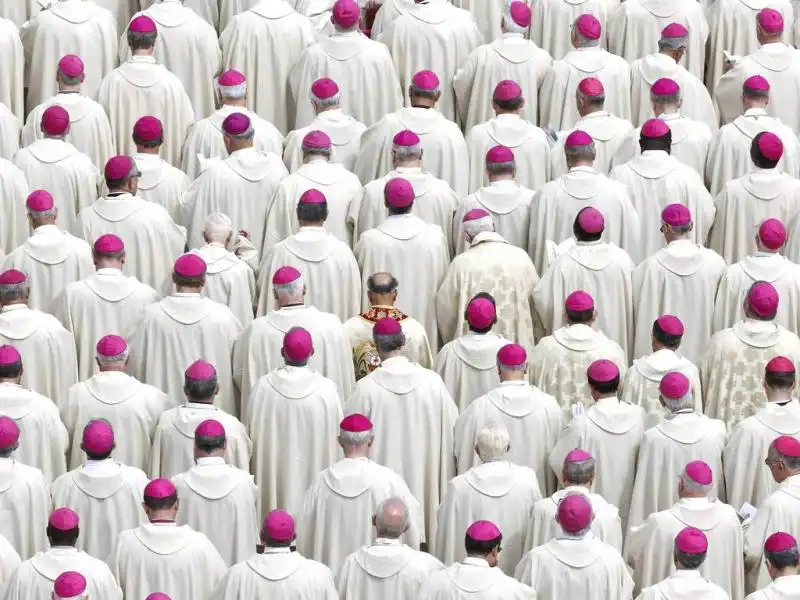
<point>391,518</point>
<point>382,289</point>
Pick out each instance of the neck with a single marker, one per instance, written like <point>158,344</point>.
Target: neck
<point>512,375</point>
<point>674,238</point>
<point>108,264</point>
<point>666,109</point>
<point>186,289</point>
<point>414,163</point>
<point>220,453</point>
<point>764,250</point>
<point>311,223</point>
<point>293,301</point>
<point>200,400</point>
<point>63,87</point>
<point>501,177</point>
<point>580,163</point>
<point>143,51</point>
<point>161,515</point>
<point>788,571</point>
<point>15,380</point>
<point>13,301</point>
<point>506,112</point>
<point>770,39</point>
<point>779,396</point>
<point>309,158</point>
<point>387,355</point>
<point>750,104</point>
<point>687,494</point>
<point>117,191</point>
<point>376,300</point>
<point>234,102</point>
<point>144,150</point>
<point>420,102</point>
<point>40,222</point>
<point>106,368</point>
<point>598,397</point>
<point>356,451</point>
<point>59,138</point>
<point>673,54</point>
<point>321,108</point>
<point>240,145</point>
<point>587,110</point>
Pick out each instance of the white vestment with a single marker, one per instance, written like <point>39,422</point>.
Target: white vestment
<point>52,259</point>
<point>729,153</point>
<point>160,182</point>
<point>343,130</point>
<point>552,21</point>
<point>14,189</point>
<point>25,506</point>
<point>656,179</point>
<point>494,266</point>
<point>684,585</point>
<point>745,202</point>
<point>293,419</point>
<point>413,416</point>
<point>58,167</point>
<point>650,546</point>
<point>12,78</point>
<point>643,378</point>
<point>108,497</point>
<point>603,271</point>
<point>608,133</point>
<point>10,127</point>
<point>128,405</point>
<point>500,492</point>
<point>468,366</point>
<point>732,368</point>
<point>473,578</point>
<point>509,57</point>
<point>433,35</point>
<point>19,12</point>
<point>47,349</point>
<point>680,280</point>
<point>89,127</point>
<point>152,239</point>
<point>205,138</point>
<point>141,87</point>
<point>258,349</point>
<point>338,506</point>
<point>528,142</point>
<point>173,442</point>
<point>555,206</point>
<point>696,102</point>
<point>509,205</point>
<point>444,149</point>
<point>10,560</point>
<point>557,108</point>
<point>664,452</point>
<point>398,246</point>
<point>783,588</point>
<point>612,432</point>
<point>747,478</point>
<point>219,500</point>
<point>68,27</point>
<point>164,557</point>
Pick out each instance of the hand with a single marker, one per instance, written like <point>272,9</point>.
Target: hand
<point>244,234</point>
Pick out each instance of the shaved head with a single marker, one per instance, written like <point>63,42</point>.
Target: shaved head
<point>391,518</point>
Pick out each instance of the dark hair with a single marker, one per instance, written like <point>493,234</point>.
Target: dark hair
<point>389,343</point>
<point>781,381</point>
<point>400,210</point>
<point>141,41</point>
<point>200,390</point>
<point>596,101</point>
<point>188,281</point>
<point>605,387</point>
<point>783,559</point>
<point>510,105</point>
<point>690,561</point>
<point>92,456</point>
<point>580,316</point>
<point>148,143</point>
<point>581,235</point>
<point>312,212</point>
<point>10,371</point>
<point>272,543</point>
<point>161,503</point>
<point>479,546</point>
<point>490,298</point>
<point>9,451</point>
<point>387,288</point>
<point>759,160</point>
<point>59,537</point>
<point>209,444</point>
<point>659,143</point>
<point>111,255</point>
<point>665,339</point>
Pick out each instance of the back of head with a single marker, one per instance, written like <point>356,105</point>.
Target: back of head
<point>690,549</point>
<point>586,31</point>
<point>766,150</point>
<point>218,228</point>
<point>142,34</point>
<point>200,382</point>
<point>655,135</point>
<point>391,518</point>
<point>675,390</point>
<point>492,443</point>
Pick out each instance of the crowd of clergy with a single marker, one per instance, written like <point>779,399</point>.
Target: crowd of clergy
<point>399,300</point>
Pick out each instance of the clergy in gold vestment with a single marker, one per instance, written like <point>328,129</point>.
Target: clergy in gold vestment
<point>106,493</point>
<point>608,429</point>
<point>277,570</point>
<point>511,56</point>
<point>426,462</point>
<point>494,266</point>
<point>648,548</point>
<point>747,478</point>
<point>731,366</point>
<point>125,403</point>
<point>780,550</point>
<point>162,555</point>
<point>498,490</point>
<point>681,436</point>
<point>337,507</point>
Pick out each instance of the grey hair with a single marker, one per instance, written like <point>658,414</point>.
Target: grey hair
<point>42,214</point>
<point>406,152</point>
<point>105,361</point>
<point>288,290</point>
<point>791,462</point>
<point>579,152</point>
<point>693,487</point>
<point>334,100</point>
<point>666,100</point>
<point>356,438</point>
<point>16,290</point>
<point>682,403</point>
<point>389,343</point>
<point>666,43</point>
<point>500,168</point>
<point>326,152</point>
<point>511,25</point>
<point>391,530</point>
<point>218,226</point>
<point>66,80</point>
<point>492,443</point>
<point>512,368</point>
<point>583,42</point>
<point>476,226</point>
<point>233,92</point>
<point>243,137</point>
<point>579,472</point>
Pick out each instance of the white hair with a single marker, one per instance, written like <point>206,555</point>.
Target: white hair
<point>406,152</point>
<point>42,214</point>
<point>105,361</point>
<point>492,443</point>
<point>682,403</point>
<point>15,290</point>
<point>332,101</point>
<point>693,487</point>
<point>355,438</point>
<point>218,226</point>
<point>584,42</point>
<point>395,529</point>
<point>289,290</point>
<point>667,43</point>
<point>476,226</point>
<point>234,92</point>
<point>510,24</point>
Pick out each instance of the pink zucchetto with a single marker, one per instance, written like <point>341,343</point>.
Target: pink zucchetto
<point>591,220</point>
<point>71,65</point>
<point>98,437</point>
<point>577,455</point>
<point>355,423</point>
<point>279,526</point>
<point>512,355</point>
<point>63,519</point>
<point>148,129</point>
<point>398,193</point>
<point>483,531</point>
<point>297,344</point>
<point>480,313</point>
<point>9,356</point>
<point>578,138</point>
<point>579,301</point>
<point>9,432</point>
<point>209,429</point>
<point>190,265</point>
<point>426,81</point>
<point>159,488</point>
<point>588,26</point>
<point>40,201</point>
<point>676,215</point>
<point>236,124</point>
<point>111,345</point>
<point>12,277</point>
<point>520,13</point>
<point>69,585</point>
<point>200,370</point>
<point>499,155</point>
<point>699,472</point>
<point>507,90</point>
<point>762,298</point>
<point>674,385</point>
<point>786,445</point>
<point>231,78</point>
<point>158,596</point>
<point>406,138</point>
<point>756,83</point>
<point>770,20</point>
<point>312,196</point>
<point>780,364</point>
<point>674,30</point>
<point>665,87</point>
<point>691,541</point>
<point>574,513</point>
<point>780,541</point>
<point>324,88</point>
<point>770,146</point>
<point>119,168</point>
<point>345,14</point>
<point>602,371</point>
<point>772,233</point>
<point>591,87</point>
<point>285,275</point>
<point>654,128</point>
<point>386,326</point>
<point>142,24</point>
<point>670,324</point>
<point>55,120</point>
<point>316,140</point>
<point>475,214</point>
<point>108,243</point>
